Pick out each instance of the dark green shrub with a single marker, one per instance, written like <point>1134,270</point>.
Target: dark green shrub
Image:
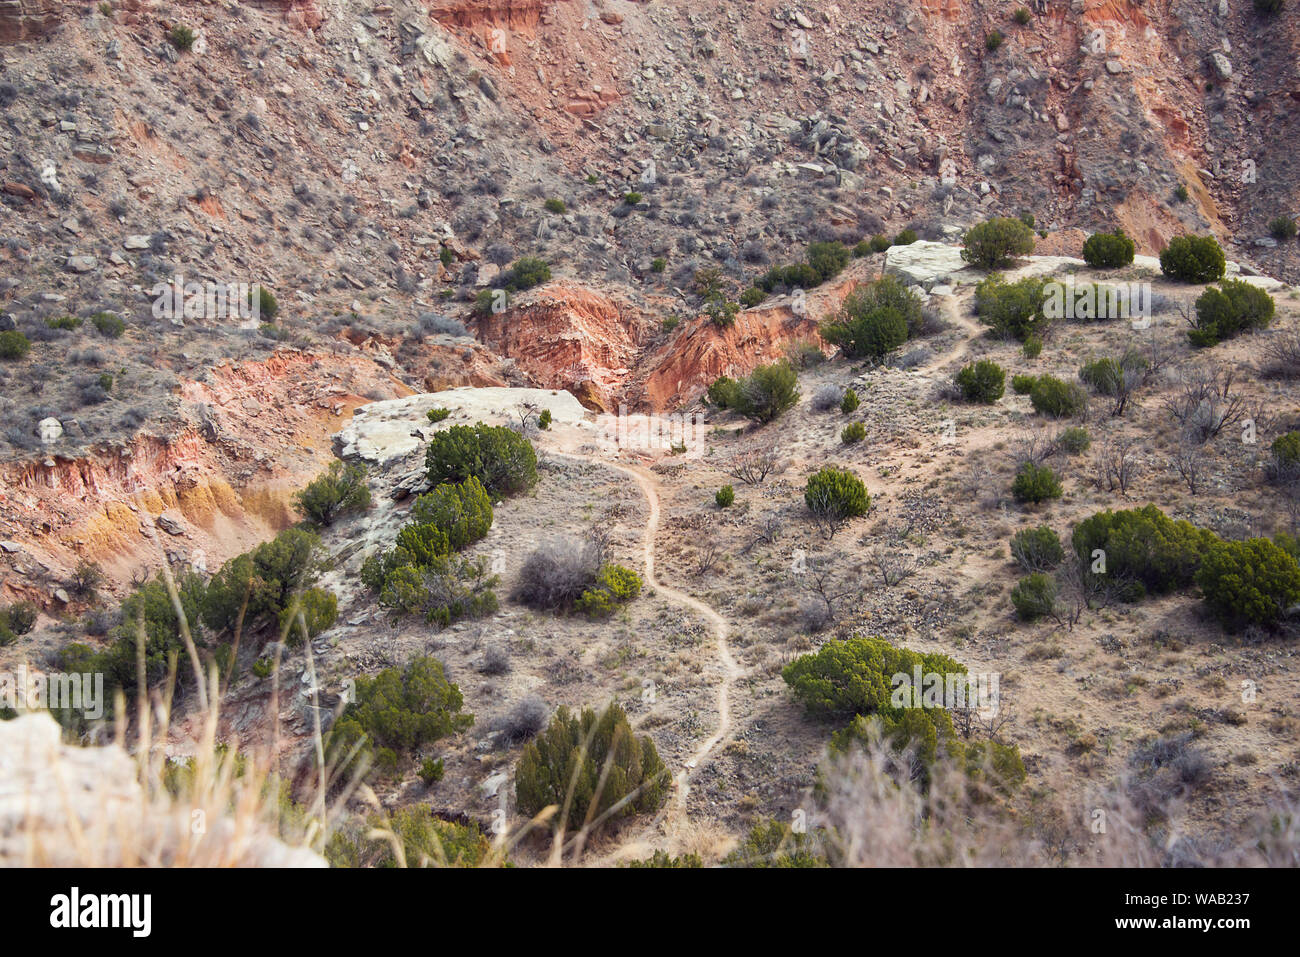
<point>767,392</point>
<point>724,392</point>
<point>544,420</point>
<point>854,677</point>
<point>1103,375</point>
<point>500,458</point>
<point>721,312</point>
<point>1268,7</point>
<point>462,512</point>
<point>486,302</point>
<point>834,496</point>
<point>828,258</point>
<point>796,276</point>
<point>1034,597</point>
<point>319,608</point>
<point>400,709</point>
<point>993,40</point>
<point>526,273</point>
<point>725,496</point>
<point>1037,549</point>
<point>658,264</point>
<point>998,765</point>
<point>431,771</point>
<point>1286,452</point>
<point>1035,483</point>
<point>1197,259</point>
<point>108,324</point>
<point>1108,250</point>
<point>440,589</point>
<point>981,381</point>
<point>268,307</point>
<point>632,198</point>
<point>1249,583</point>
<point>849,404</point>
<point>1023,384</point>
<point>65,323</point>
<point>880,243</point>
<point>866,324</point>
<point>1288,543</point>
<point>151,603</point>
<point>16,620</point>
<point>1074,440</point>
<point>853,432</point>
<point>564,767</point>
<point>872,335</point>
<point>751,297</point>
<point>1181,194</point>
<point>862,248</point>
<point>1052,397</point>
<point>14,345</point>
<point>340,491</point>
<point>775,844</point>
<point>182,37</point>
<point>1233,308</point>
<point>1141,550</point>
<point>995,243</point>
<point>254,589</point>
<point>905,238</point>
<point>1011,310</point>
<point>1033,346</point>
<point>555,206</point>
<point>1022,16</point>
<point>1282,228</point>
<point>425,839</point>
<point>438,415</point>
<point>421,544</point>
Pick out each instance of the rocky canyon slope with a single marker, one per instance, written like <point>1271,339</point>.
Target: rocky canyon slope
<point>379,164</point>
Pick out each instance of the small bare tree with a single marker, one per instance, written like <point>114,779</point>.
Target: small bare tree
<point>987,721</point>
<point>527,413</point>
<point>1204,403</point>
<point>822,577</point>
<point>705,558</point>
<point>1117,465</point>
<point>1130,377</point>
<point>1078,590</point>
<point>1189,461</point>
<point>1036,446</point>
<point>1281,356</point>
<point>753,467</point>
<point>892,565</point>
<point>600,535</point>
<point>768,532</point>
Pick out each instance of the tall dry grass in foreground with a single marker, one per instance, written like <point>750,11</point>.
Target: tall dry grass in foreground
<point>872,814</point>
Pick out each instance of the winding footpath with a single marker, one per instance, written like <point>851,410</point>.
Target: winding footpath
<point>674,814</point>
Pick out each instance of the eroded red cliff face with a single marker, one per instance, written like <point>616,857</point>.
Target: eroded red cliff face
<point>212,489</point>
<point>23,20</point>
<point>608,352</point>
<point>568,337</point>
<point>684,366</point>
